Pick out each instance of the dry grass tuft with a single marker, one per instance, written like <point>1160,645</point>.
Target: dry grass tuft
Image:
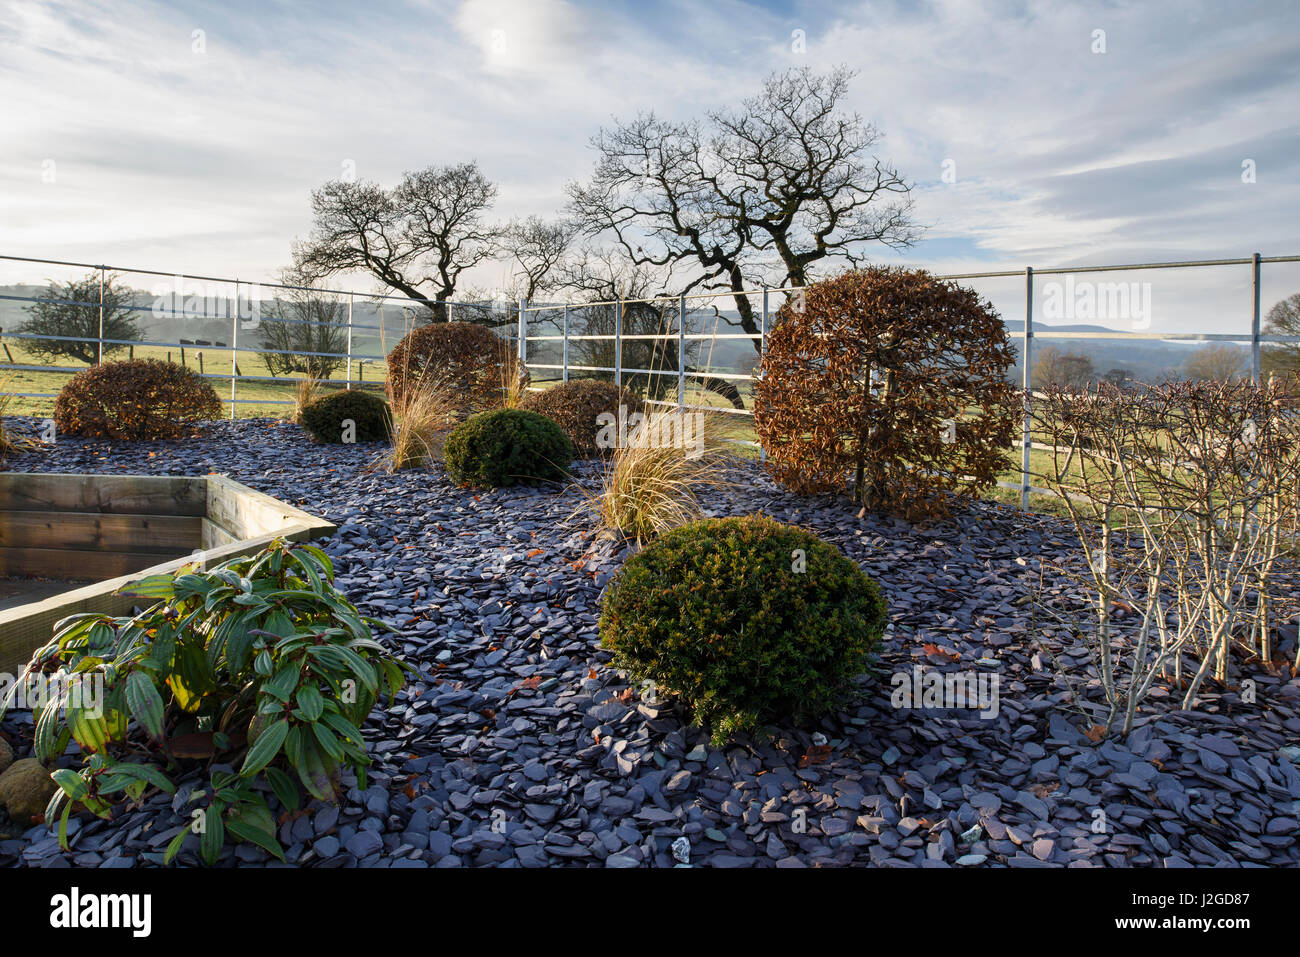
<point>649,485</point>
<point>514,382</point>
<point>421,422</point>
<point>11,442</point>
<point>305,391</point>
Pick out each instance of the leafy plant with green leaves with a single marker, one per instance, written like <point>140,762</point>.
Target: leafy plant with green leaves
<point>259,664</point>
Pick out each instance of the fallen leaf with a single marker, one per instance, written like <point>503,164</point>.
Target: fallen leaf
<point>815,755</point>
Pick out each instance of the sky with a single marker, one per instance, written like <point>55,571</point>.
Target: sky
<point>187,137</point>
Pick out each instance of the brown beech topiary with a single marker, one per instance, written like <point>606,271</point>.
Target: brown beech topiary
<point>891,382</point>
<point>476,362</point>
<point>135,400</point>
<point>577,406</point>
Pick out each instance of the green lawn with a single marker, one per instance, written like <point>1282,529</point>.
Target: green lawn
<point>257,398</point>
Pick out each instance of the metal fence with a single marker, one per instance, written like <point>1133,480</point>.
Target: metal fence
<point>679,307</point>
<point>550,336</point>
<point>234,305</point>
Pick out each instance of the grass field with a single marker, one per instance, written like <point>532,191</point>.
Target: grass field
<point>255,397</point>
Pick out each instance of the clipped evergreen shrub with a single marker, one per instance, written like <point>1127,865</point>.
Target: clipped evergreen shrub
<point>135,400</point>
<point>577,405</point>
<point>326,418</point>
<point>746,620</point>
<point>507,447</point>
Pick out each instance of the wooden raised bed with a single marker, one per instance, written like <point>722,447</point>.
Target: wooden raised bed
<point>118,529</point>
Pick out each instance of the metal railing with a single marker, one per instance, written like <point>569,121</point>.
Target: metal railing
<point>514,322</point>
<point>214,308</point>
<point>1027,337</point>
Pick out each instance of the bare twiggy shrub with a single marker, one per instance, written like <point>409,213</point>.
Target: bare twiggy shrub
<point>649,484</point>
<point>1184,496</point>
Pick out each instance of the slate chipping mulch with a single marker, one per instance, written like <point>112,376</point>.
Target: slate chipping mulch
<point>494,589</point>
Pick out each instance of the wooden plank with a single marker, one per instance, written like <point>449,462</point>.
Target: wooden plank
<point>99,531</point>
<point>25,628</point>
<point>75,563</point>
<point>213,535</point>
<point>245,512</point>
<point>121,494</point>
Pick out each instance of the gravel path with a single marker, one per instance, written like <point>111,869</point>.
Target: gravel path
<point>522,747</point>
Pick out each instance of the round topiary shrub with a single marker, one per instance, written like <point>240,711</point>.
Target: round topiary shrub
<point>577,405</point>
<point>892,380</point>
<point>746,620</point>
<point>135,400</point>
<point>326,418</point>
<point>507,447</point>
<point>474,360</point>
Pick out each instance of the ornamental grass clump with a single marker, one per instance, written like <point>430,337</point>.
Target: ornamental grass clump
<point>507,447</point>
<point>424,418</point>
<point>259,664</point>
<point>661,461</point>
<point>305,391</point>
<point>747,621</point>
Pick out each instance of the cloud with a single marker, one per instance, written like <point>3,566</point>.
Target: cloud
<point>171,157</point>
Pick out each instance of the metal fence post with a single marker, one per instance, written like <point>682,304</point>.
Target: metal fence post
<point>565,360</point>
<point>618,342</point>
<point>234,350</point>
<point>351,300</point>
<point>1254,320</point>
<point>523,332</point>
<point>1027,352</point>
<point>101,316</point>
<point>762,345</point>
<point>681,352</point>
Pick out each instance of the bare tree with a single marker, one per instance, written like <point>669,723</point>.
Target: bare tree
<point>1282,320</point>
<point>601,276</point>
<point>1053,368</point>
<point>70,312</point>
<point>763,193</point>
<point>537,251</point>
<point>417,238</point>
<point>305,329</point>
<point>1216,362</point>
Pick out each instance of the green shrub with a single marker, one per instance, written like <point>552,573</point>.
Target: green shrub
<point>577,406</point>
<point>259,664</point>
<point>325,418</point>
<point>746,620</point>
<point>507,447</point>
<point>135,400</point>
